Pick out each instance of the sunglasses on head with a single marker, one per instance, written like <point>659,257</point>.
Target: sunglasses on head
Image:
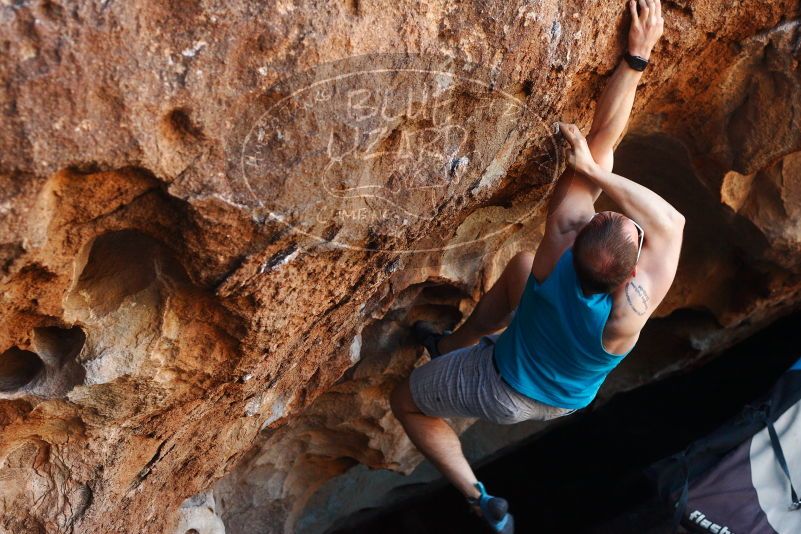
<point>640,235</point>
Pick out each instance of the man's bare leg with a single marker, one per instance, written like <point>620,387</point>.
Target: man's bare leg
<point>435,439</point>
<point>433,436</point>
<point>494,309</point>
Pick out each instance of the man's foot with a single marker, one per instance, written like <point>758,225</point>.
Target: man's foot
<point>493,510</point>
<point>426,334</point>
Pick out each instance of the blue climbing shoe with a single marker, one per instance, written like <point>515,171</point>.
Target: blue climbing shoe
<point>494,511</point>
<point>426,334</point>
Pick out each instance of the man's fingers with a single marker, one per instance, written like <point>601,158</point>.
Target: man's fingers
<point>651,11</point>
<point>568,128</point>
<point>633,9</point>
<point>569,131</point>
<point>643,11</point>
<point>658,10</point>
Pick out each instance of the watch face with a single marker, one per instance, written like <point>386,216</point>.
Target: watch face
<point>636,62</point>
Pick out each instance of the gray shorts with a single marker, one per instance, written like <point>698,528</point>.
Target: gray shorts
<point>464,383</point>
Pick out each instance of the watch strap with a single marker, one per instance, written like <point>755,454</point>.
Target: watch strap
<point>635,62</point>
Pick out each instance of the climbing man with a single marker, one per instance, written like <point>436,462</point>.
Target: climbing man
<point>573,310</point>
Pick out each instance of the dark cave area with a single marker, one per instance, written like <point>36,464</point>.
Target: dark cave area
<point>587,475</point>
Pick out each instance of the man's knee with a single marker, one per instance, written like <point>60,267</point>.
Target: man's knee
<point>523,259</point>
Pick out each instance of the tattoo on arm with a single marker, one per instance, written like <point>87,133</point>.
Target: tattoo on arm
<point>637,298</point>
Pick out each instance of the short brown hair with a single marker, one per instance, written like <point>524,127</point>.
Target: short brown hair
<point>603,255</point>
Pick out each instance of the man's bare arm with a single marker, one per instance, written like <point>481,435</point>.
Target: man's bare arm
<point>612,114</point>
<point>651,211</point>
<point>662,223</point>
<point>614,106</point>
<point>574,195</point>
<point>573,199</point>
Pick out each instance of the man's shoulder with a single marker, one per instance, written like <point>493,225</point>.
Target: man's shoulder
<point>632,306</point>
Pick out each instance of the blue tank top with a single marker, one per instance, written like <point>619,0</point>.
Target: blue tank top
<point>553,349</point>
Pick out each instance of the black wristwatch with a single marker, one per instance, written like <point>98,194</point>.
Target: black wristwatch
<point>635,62</point>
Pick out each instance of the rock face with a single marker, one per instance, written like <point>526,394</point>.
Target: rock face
<point>219,219</point>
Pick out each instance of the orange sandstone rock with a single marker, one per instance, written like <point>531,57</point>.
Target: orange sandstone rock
<point>218,221</point>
